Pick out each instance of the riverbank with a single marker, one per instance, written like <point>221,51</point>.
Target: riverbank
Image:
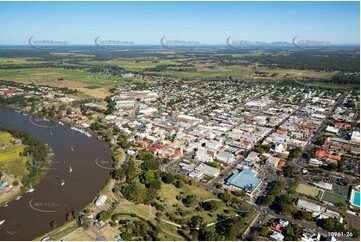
<point>52,199</point>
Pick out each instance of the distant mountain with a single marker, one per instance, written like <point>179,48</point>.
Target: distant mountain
<point>280,43</point>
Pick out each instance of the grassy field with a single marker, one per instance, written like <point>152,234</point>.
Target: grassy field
<point>334,198</point>
<point>307,190</point>
<point>168,195</point>
<point>10,161</point>
<point>59,75</point>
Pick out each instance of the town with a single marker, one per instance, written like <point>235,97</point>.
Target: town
<point>288,153</point>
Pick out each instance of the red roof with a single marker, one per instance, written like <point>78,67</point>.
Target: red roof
<point>154,148</point>
<point>176,153</point>
<point>342,124</point>
<point>276,227</point>
<point>322,153</point>
<point>10,91</point>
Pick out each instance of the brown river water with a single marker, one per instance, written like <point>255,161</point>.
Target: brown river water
<point>30,216</point>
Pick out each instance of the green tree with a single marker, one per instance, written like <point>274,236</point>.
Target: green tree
<point>135,192</point>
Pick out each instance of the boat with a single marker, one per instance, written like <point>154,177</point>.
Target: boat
<point>2,221</point>
<point>70,169</point>
<point>61,123</point>
<point>51,132</point>
<point>71,148</point>
<point>9,188</point>
<point>30,190</point>
<point>62,182</point>
<point>6,205</point>
<point>18,197</point>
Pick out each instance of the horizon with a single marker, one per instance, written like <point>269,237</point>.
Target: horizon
<point>208,23</point>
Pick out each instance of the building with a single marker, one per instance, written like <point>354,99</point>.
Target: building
<point>355,137</point>
<point>310,236</point>
<point>277,236</point>
<point>245,180</point>
<point>225,157</point>
<point>332,130</point>
<point>273,161</point>
<point>101,200</point>
<point>323,185</point>
<point>125,104</point>
<point>309,206</point>
<point>208,170</point>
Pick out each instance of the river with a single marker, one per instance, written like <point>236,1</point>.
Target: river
<point>30,216</point>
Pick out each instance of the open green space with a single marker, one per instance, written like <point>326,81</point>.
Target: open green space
<point>308,190</point>
<point>10,160</point>
<point>334,198</point>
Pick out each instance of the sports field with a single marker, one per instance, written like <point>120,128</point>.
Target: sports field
<point>308,190</point>
<point>334,198</point>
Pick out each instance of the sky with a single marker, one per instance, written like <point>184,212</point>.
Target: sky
<point>204,22</point>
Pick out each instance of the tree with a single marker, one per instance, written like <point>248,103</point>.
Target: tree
<point>150,165</point>
<point>140,228</point>
<point>196,221</point>
<point>190,201</point>
<point>135,192</point>
<point>167,178</point>
<point>304,215</point>
<point>210,205</point>
<point>288,170</point>
<point>104,215</point>
<point>230,228</point>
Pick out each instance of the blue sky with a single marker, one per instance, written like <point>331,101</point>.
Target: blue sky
<point>206,22</point>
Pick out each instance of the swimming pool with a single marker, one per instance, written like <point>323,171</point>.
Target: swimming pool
<point>356,199</point>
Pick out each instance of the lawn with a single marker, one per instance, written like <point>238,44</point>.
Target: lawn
<point>10,160</point>
<point>333,198</point>
<point>307,190</point>
<point>168,195</point>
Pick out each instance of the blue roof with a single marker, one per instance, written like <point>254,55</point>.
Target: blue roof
<point>245,179</point>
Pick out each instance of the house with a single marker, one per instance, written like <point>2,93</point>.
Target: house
<point>276,227</point>
<point>284,223</point>
<point>155,147</point>
<point>321,154</point>
<point>101,200</point>
<point>142,143</point>
<point>277,236</point>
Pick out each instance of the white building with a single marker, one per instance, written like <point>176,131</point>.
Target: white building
<point>101,200</point>
<point>225,157</point>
